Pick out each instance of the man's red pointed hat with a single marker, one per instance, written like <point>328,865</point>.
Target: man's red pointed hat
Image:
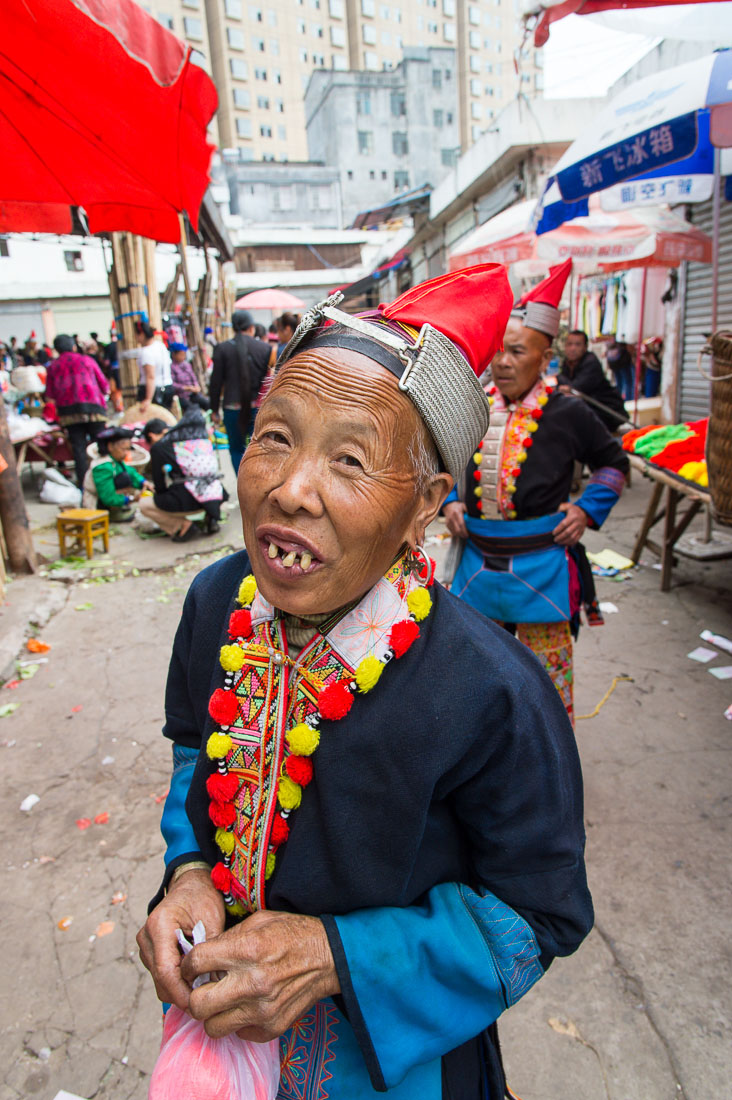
<point>539,307</point>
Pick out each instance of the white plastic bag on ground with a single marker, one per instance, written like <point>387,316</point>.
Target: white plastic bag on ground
<point>192,1066</point>
<point>57,489</point>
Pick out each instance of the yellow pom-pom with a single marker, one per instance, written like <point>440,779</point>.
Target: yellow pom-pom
<point>368,673</point>
<point>531,426</point>
<point>419,603</point>
<point>236,910</point>
<point>231,658</point>
<point>271,860</point>
<point>247,590</point>
<point>477,458</point>
<point>512,514</point>
<point>303,739</point>
<point>511,489</point>
<point>542,399</point>
<point>521,456</point>
<point>478,492</point>
<point>491,401</point>
<point>218,746</point>
<point>225,841</point>
<point>289,793</point>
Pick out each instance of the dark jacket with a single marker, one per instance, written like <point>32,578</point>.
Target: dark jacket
<point>588,377</point>
<point>239,367</point>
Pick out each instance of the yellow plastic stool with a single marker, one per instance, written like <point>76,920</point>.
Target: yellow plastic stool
<point>83,525</point>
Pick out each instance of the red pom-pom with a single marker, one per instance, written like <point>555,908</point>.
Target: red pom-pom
<point>429,581</point>
<point>402,635</point>
<point>480,445</point>
<point>335,701</point>
<point>223,707</point>
<point>299,769</point>
<point>528,442</point>
<point>515,471</point>
<point>476,475</point>
<point>240,624</point>
<point>537,414</point>
<point>222,788</point>
<point>280,831</point>
<point>222,814</point>
<point>479,505</point>
<point>221,878</point>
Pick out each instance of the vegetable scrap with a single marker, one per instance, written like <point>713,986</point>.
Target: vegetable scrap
<point>76,709</point>
<point>83,823</point>
<point>101,819</point>
<point>11,685</point>
<point>28,671</point>
<point>7,709</point>
<point>35,645</point>
<point>118,898</point>
<point>84,606</point>
<point>64,923</point>
<point>596,710</point>
<point>104,928</point>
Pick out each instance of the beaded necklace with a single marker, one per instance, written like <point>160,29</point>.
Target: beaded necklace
<point>514,426</point>
<point>332,702</point>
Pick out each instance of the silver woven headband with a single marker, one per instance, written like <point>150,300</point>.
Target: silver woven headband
<point>540,316</point>
<point>437,379</point>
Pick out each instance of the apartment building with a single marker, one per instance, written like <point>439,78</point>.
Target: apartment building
<point>261,54</point>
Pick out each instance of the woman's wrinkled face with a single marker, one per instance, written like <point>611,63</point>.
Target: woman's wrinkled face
<point>120,449</point>
<point>326,486</point>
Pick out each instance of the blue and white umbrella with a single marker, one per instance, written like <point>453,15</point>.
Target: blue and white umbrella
<point>653,143</point>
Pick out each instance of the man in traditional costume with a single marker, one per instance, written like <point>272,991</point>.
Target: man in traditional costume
<point>376,804</point>
<point>522,563</point>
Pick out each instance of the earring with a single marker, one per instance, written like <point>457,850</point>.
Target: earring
<point>420,564</point>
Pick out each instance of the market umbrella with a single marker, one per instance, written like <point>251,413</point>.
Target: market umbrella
<point>541,16</point>
<point>269,299</point>
<point>101,108</point>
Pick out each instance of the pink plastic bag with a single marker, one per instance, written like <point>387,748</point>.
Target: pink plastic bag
<point>192,1066</point>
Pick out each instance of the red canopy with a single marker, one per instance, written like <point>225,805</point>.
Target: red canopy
<point>101,107</point>
<point>550,12</point>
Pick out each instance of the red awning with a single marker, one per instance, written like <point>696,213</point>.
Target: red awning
<point>552,11</point>
<point>102,108</point>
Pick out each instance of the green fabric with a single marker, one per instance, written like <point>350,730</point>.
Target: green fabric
<point>104,474</point>
<point>653,442</point>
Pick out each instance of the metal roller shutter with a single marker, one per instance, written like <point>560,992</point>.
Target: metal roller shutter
<point>694,388</point>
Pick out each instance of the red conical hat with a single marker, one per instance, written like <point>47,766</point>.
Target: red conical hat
<point>539,307</point>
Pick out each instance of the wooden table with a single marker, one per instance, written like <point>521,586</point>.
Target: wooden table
<point>677,490</point>
<point>37,452</point>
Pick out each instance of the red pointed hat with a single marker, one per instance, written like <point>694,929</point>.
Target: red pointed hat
<point>539,307</point>
<point>436,339</point>
<point>471,307</point>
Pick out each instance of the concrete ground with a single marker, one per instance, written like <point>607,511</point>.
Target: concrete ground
<point>641,1012</point>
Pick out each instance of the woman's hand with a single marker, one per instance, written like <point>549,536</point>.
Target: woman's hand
<point>277,965</point>
<point>454,513</point>
<point>572,527</point>
<point>191,898</point>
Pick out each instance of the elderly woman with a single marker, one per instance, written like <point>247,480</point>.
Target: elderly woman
<point>376,805</point>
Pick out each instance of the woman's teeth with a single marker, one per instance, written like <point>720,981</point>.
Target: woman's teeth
<point>289,558</point>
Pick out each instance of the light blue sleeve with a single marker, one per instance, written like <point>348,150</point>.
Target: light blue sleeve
<point>419,981</point>
<point>174,825</point>
<point>598,501</point>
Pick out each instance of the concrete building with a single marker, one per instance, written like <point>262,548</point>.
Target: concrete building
<point>261,193</point>
<point>261,56</point>
<point>386,132</point>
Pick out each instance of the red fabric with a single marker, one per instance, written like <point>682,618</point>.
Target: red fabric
<point>589,7</point>
<point>677,454</point>
<point>471,307</point>
<point>549,291</point>
<point>335,701</point>
<point>103,109</point>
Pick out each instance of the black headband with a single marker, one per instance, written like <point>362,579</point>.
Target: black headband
<point>356,342</point>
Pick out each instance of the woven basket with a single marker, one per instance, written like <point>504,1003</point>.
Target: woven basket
<point>719,437</point>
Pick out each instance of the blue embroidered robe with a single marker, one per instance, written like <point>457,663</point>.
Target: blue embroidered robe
<point>441,841</point>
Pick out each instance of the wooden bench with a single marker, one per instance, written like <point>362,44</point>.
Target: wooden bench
<point>82,525</point>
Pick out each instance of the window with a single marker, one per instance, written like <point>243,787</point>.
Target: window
<point>432,28</point>
<point>399,143</point>
<point>365,142</point>
<point>363,103</point>
<point>283,198</point>
<point>489,89</point>
<point>488,43</point>
<point>258,44</point>
<point>437,78</point>
<point>401,180</point>
<point>263,102</point>
<point>368,33</point>
<point>398,41</point>
<point>255,15</point>
<point>474,16</point>
<point>4,247</point>
<point>371,61</point>
<point>282,133</point>
<point>272,18</point>
<point>398,104</point>
<point>302,27</point>
<point>193,28</point>
<point>474,63</point>
<point>474,39</point>
<point>384,12</point>
<point>274,47</point>
<point>318,61</point>
<point>372,175</point>
<point>235,38</point>
<point>339,62</point>
<point>242,98</point>
<point>265,131</point>
<point>489,67</point>
<point>244,127</point>
<point>165,21</point>
<point>319,197</point>
<point>397,15</point>
<point>438,119</point>
<point>316,30</point>
<point>448,32</point>
<point>448,118</point>
<point>368,7</point>
<point>233,9</point>
<point>448,157</point>
<point>191,4</point>
<point>304,57</point>
<point>448,7</point>
<point>238,68</point>
<point>385,38</point>
<point>279,106</point>
<point>337,36</point>
<point>73,260</point>
<point>260,74</point>
<point>349,174</point>
<point>475,87</point>
<point>475,132</point>
<point>383,175</point>
<point>277,76</point>
<point>336,9</point>
<point>475,110</point>
<point>420,23</point>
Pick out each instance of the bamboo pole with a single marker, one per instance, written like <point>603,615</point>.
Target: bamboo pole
<point>13,516</point>
<point>128,368</point>
<point>153,298</point>
<point>199,358</point>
